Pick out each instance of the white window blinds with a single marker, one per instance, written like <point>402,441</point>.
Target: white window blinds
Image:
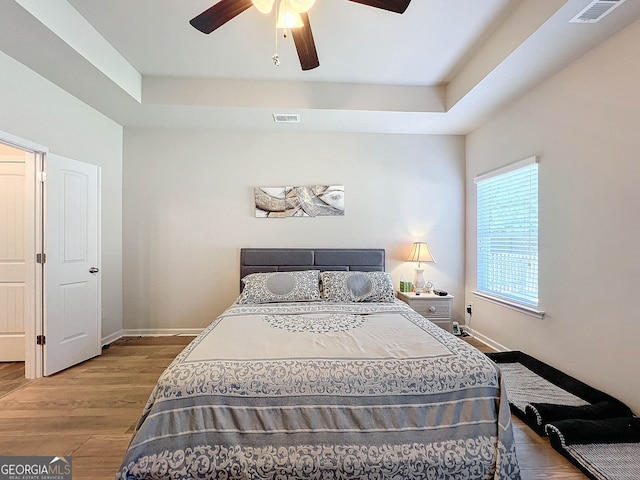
<point>507,203</point>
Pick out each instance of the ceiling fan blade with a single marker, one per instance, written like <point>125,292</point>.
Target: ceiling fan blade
<point>219,14</point>
<point>397,6</point>
<point>306,47</point>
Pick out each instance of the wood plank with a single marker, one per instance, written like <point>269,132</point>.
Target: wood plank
<point>11,377</point>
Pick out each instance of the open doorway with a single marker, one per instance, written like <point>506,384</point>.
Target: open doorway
<point>12,253</point>
<point>12,267</point>
<point>18,276</point>
<point>50,300</point>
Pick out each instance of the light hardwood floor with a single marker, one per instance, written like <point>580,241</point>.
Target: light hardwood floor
<point>89,412</point>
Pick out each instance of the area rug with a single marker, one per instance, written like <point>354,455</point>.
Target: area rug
<point>606,449</point>
<point>540,394</point>
<point>595,431</point>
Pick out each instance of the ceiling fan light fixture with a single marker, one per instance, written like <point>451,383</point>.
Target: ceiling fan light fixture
<point>291,15</point>
<point>288,17</point>
<point>301,6</point>
<point>263,6</point>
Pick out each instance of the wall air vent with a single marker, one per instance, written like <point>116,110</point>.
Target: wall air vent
<point>286,118</point>
<point>596,11</point>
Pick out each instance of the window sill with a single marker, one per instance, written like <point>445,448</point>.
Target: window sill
<point>532,311</point>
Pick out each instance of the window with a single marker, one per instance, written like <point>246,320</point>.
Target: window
<point>507,203</point>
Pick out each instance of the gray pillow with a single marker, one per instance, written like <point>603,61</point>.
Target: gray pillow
<point>357,286</point>
<point>280,287</point>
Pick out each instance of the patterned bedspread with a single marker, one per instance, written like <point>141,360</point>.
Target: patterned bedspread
<point>325,391</point>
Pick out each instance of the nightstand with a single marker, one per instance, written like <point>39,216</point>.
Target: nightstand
<point>434,307</point>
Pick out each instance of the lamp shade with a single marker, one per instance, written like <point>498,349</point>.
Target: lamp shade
<point>420,253</point>
<point>301,6</point>
<point>264,6</point>
<point>288,17</point>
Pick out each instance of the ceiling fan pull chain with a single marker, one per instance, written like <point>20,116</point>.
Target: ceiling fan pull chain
<point>275,57</point>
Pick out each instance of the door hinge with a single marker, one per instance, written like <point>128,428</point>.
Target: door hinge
<point>42,176</point>
<point>41,258</point>
<point>41,340</point>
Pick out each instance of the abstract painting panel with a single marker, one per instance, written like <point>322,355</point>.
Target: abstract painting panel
<point>307,201</point>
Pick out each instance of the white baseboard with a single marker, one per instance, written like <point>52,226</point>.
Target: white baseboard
<point>192,332</point>
<point>489,341</point>
<point>12,347</point>
<point>161,332</point>
<point>112,338</point>
<point>152,332</point>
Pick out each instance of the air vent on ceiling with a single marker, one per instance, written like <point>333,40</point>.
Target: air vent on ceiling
<point>286,118</point>
<point>596,10</point>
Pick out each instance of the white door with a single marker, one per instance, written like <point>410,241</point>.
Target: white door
<point>72,316</point>
<point>12,254</point>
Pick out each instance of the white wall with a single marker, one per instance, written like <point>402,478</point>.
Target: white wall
<point>34,109</point>
<point>583,124</point>
<point>189,208</point>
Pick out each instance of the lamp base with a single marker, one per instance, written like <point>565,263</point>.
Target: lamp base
<point>418,280</point>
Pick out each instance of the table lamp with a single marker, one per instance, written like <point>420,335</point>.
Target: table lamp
<point>420,253</point>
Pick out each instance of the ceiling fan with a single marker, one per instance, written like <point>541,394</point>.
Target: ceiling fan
<point>225,10</point>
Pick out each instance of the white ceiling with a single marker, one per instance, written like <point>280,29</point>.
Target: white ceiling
<point>441,67</point>
<point>355,43</point>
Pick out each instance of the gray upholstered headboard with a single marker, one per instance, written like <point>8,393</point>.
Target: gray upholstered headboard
<point>253,260</point>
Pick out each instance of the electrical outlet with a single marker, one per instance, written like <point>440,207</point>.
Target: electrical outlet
<point>468,311</point>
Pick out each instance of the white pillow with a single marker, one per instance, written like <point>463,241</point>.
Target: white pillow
<point>280,287</point>
<point>357,287</point>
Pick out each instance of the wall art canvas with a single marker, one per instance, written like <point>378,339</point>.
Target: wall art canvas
<point>308,201</point>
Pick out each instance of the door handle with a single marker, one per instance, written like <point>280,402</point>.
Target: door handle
<point>94,270</point>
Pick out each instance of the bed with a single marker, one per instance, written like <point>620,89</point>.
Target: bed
<point>316,371</point>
